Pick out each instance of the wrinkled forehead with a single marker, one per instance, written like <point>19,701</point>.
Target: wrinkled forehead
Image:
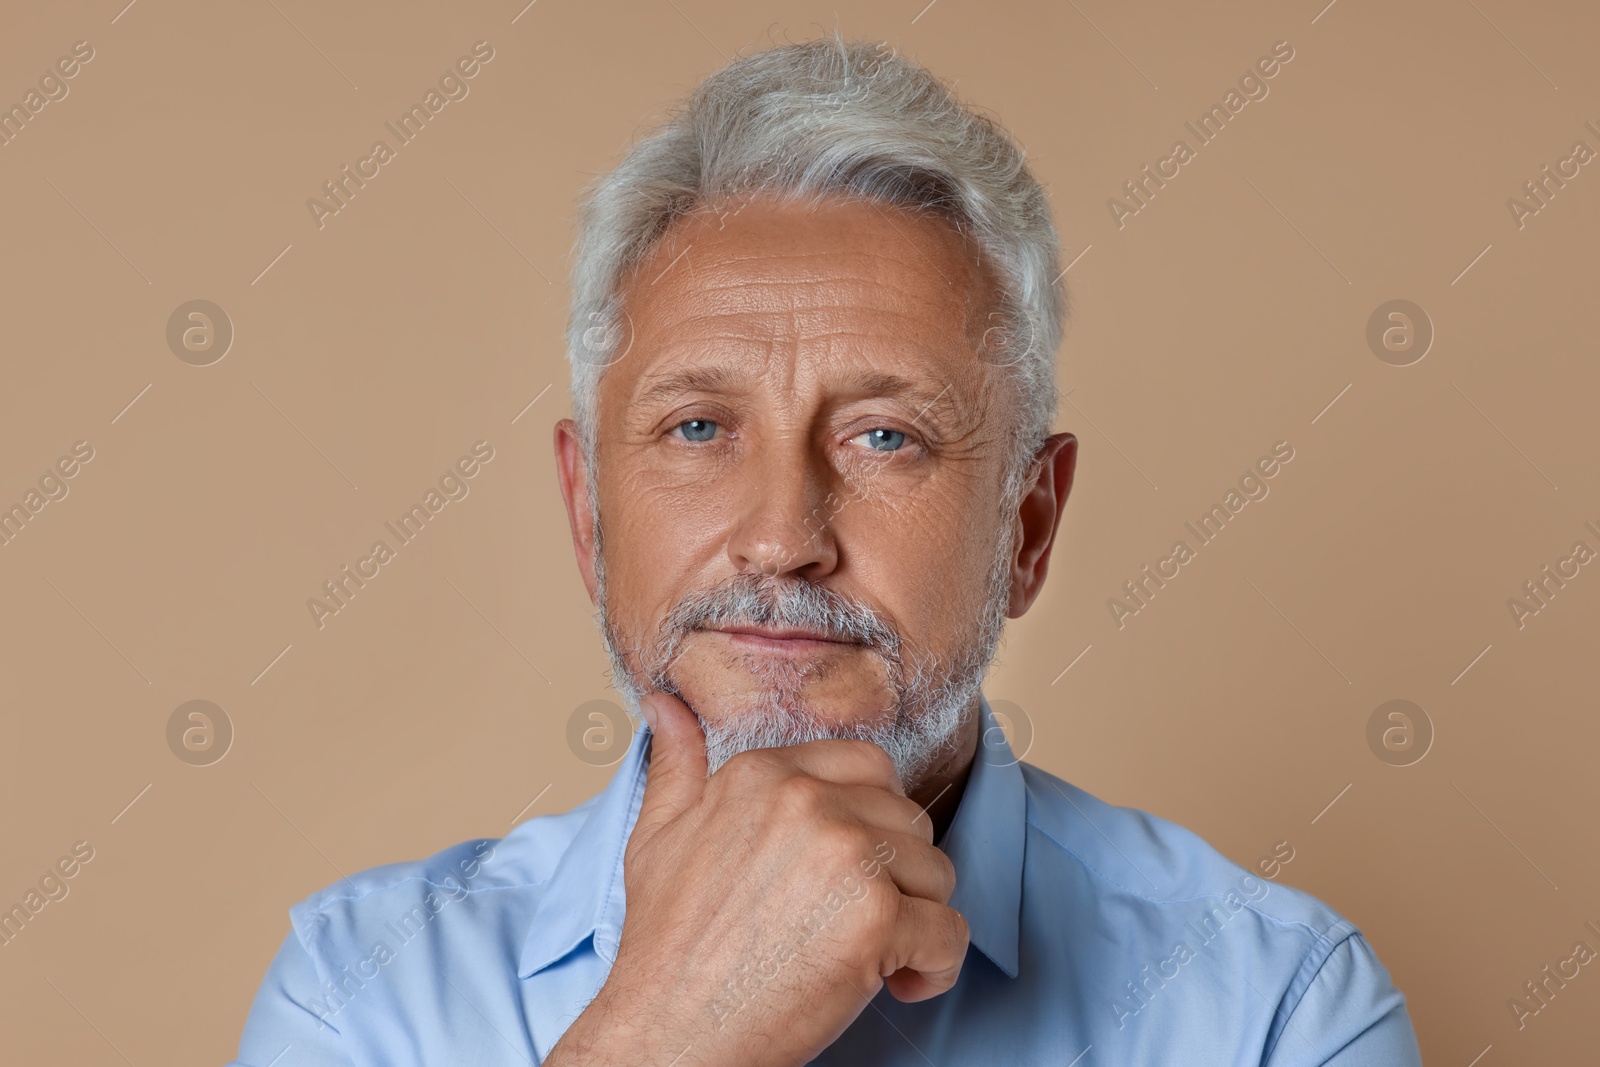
<point>801,292</point>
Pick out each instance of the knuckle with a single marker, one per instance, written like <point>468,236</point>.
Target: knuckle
<point>746,768</point>
<point>875,755</point>
<point>945,874</point>
<point>882,909</point>
<point>842,843</point>
<point>869,759</point>
<point>800,796</point>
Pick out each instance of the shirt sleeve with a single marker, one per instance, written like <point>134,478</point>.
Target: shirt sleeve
<point>285,1017</point>
<point>1350,1015</point>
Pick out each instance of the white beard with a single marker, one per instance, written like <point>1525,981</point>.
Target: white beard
<point>932,697</point>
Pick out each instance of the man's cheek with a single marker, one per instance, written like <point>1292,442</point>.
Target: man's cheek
<point>660,491</point>
<point>859,686</point>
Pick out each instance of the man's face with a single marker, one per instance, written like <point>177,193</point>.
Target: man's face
<point>800,469</point>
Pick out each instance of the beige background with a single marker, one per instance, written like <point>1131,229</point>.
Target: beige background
<point>427,314</point>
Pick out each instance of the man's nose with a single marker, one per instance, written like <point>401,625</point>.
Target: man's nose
<point>785,512</point>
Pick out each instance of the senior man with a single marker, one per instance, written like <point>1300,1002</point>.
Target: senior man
<point>812,340</point>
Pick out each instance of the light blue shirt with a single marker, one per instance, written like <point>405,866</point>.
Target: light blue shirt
<point>1101,936</point>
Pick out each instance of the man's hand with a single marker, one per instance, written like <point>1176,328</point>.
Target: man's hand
<point>766,905</point>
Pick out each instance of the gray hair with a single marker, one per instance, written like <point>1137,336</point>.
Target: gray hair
<point>828,118</point>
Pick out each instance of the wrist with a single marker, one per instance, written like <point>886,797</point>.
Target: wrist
<point>607,1034</point>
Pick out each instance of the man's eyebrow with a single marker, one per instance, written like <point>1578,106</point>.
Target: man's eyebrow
<point>923,395</point>
<point>882,383</point>
<point>926,396</point>
<point>684,380</point>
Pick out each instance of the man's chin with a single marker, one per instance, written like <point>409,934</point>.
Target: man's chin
<point>838,692</point>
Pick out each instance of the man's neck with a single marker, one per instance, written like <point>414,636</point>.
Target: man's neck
<point>943,784</point>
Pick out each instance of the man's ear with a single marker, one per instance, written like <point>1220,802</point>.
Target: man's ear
<point>575,488</point>
<point>1038,517</point>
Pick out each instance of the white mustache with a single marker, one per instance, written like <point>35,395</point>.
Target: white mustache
<point>757,600</point>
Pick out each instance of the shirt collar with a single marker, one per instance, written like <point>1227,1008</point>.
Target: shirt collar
<point>584,895</point>
<point>985,845</point>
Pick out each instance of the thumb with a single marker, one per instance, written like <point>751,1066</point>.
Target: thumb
<point>677,773</point>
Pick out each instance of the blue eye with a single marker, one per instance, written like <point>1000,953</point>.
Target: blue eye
<point>881,440</point>
<point>698,429</point>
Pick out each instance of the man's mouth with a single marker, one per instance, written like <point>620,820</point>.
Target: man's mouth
<point>784,639</point>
